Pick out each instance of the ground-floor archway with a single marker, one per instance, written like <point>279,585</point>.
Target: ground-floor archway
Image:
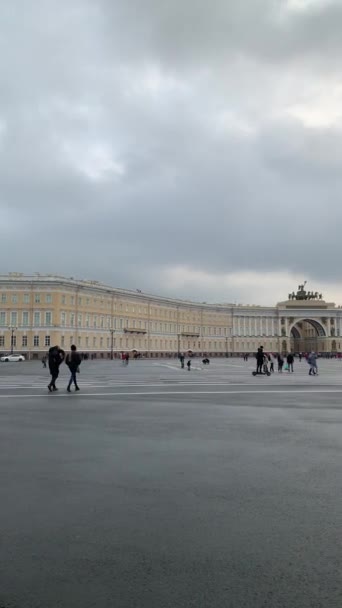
<point>308,335</point>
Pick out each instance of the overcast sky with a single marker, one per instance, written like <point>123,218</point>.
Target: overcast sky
<point>188,148</point>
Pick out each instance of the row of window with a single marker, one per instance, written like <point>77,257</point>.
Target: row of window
<point>39,298</point>
<point>24,341</point>
<point>45,319</point>
<point>26,298</point>
<point>14,319</point>
<point>107,323</point>
<point>102,343</point>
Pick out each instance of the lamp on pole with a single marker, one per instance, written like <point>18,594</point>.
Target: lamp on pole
<point>112,343</point>
<point>233,341</point>
<point>12,329</point>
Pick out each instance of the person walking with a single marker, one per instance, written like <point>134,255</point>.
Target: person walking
<point>280,363</point>
<point>181,358</point>
<point>260,360</point>
<point>271,360</point>
<point>56,356</point>
<point>289,361</point>
<point>189,365</point>
<point>312,361</point>
<point>44,358</point>
<point>73,361</point>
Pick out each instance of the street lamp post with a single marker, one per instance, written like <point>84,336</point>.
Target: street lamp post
<point>231,337</point>
<point>112,343</point>
<point>12,329</point>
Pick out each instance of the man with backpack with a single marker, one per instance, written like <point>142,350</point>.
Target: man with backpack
<point>55,358</point>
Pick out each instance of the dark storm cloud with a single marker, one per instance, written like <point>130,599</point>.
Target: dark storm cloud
<point>140,139</point>
<point>194,31</point>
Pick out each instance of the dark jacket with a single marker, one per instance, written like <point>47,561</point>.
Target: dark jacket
<point>260,356</point>
<point>290,359</point>
<point>73,361</point>
<point>56,356</point>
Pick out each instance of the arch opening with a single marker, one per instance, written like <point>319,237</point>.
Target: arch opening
<point>307,335</point>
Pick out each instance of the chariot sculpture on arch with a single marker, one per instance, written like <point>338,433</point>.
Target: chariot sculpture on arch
<point>305,295</point>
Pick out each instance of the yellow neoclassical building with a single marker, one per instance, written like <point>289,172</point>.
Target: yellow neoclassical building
<point>41,310</point>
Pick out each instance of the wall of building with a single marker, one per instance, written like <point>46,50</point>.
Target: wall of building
<point>47,310</point>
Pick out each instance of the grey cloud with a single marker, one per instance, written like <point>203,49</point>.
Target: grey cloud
<point>188,104</point>
<point>196,33</point>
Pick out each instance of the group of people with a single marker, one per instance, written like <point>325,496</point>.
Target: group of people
<point>125,358</point>
<point>182,362</point>
<point>268,359</point>
<point>73,360</point>
<point>265,363</point>
<point>181,357</point>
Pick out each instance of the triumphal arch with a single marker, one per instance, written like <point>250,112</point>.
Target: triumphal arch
<point>309,323</point>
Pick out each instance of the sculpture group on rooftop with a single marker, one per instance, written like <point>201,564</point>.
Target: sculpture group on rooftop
<point>305,295</point>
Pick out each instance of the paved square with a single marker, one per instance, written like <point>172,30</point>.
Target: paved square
<point>157,487</point>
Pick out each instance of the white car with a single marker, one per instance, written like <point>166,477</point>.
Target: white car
<point>15,358</point>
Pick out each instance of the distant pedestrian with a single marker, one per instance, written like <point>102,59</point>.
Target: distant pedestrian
<point>127,358</point>
<point>189,365</point>
<point>312,361</point>
<point>271,360</point>
<point>260,356</point>
<point>181,359</point>
<point>280,363</point>
<point>44,359</point>
<point>300,357</point>
<point>73,361</point>
<point>56,356</point>
<point>290,360</point>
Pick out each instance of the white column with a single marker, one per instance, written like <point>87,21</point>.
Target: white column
<point>235,326</point>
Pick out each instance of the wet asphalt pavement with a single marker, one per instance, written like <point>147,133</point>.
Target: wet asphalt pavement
<point>213,497</point>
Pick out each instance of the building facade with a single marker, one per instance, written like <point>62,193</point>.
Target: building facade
<point>42,310</point>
